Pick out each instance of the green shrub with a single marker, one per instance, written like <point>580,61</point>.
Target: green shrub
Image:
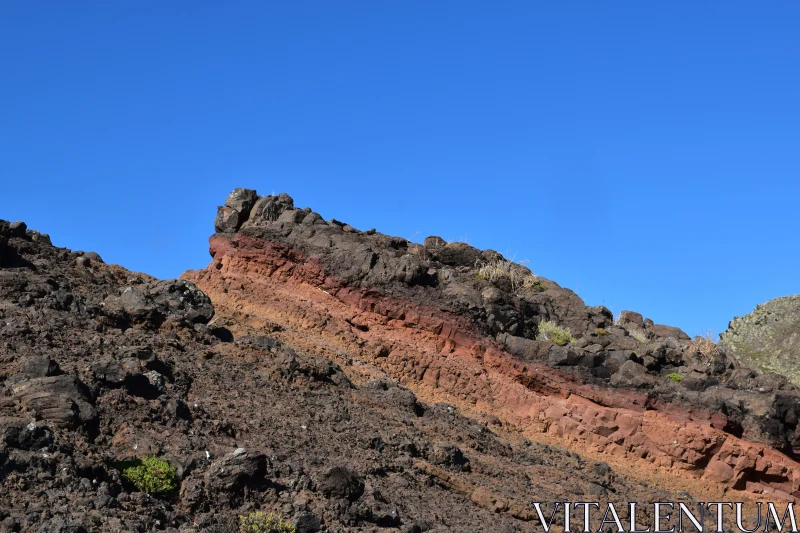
<point>549,331</point>
<point>675,377</point>
<point>602,331</point>
<point>151,475</point>
<point>258,522</point>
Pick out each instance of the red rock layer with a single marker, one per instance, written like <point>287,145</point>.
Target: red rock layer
<point>442,357</point>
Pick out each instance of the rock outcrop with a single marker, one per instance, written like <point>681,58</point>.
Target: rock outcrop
<point>461,325</point>
<point>768,339</point>
<point>100,367</point>
<point>354,381</point>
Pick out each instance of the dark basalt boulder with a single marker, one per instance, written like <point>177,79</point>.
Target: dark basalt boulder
<point>458,254</point>
<point>341,482</point>
<point>235,211</point>
<point>63,400</point>
<point>152,303</point>
<point>229,476</point>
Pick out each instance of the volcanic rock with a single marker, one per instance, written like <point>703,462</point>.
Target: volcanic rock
<point>768,339</point>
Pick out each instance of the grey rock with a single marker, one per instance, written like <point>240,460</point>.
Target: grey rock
<point>631,318</point>
<point>270,208</point>
<point>292,216</point>
<point>40,366</point>
<point>236,210</point>
<point>632,374</point>
<point>768,339</point>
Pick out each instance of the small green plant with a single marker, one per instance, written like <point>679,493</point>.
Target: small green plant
<point>151,475</point>
<point>675,377</point>
<point>602,331</point>
<point>549,331</point>
<point>517,274</point>
<point>258,522</point>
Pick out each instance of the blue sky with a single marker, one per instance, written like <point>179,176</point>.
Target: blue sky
<point>644,154</point>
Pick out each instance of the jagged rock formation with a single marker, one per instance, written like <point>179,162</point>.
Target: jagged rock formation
<point>427,316</point>
<point>768,339</point>
<point>99,366</point>
<point>353,381</point>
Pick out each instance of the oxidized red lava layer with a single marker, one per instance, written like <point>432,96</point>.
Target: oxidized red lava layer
<point>443,358</point>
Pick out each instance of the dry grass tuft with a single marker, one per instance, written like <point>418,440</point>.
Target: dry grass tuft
<point>704,345</point>
<point>519,275</point>
<point>551,332</point>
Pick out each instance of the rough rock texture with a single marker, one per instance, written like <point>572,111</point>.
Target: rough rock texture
<point>768,339</point>
<point>352,381</point>
<point>99,366</point>
<point>423,316</point>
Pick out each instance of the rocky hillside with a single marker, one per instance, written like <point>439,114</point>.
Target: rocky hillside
<point>465,326</point>
<point>101,367</point>
<point>768,339</point>
<point>353,381</point>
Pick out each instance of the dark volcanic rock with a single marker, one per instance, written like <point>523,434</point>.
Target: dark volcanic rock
<point>101,366</point>
<point>62,400</point>
<point>235,211</point>
<point>151,303</point>
<point>240,470</point>
<point>341,482</point>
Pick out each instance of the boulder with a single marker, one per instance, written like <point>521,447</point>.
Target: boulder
<point>40,366</point>
<point>631,318</point>
<point>63,400</point>
<point>229,476</point>
<point>341,482</point>
<point>662,331</point>
<point>235,211</point>
<point>151,303</point>
<point>449,456</point>
<point>313,218</point>
<point>270,208</point>
<point>563,356</point>
<point>292,216</point>
<point>632,374</point>
<point>307,523</point>
<point>24,435</point>
<point>433,243</point>
<point>458,254</point>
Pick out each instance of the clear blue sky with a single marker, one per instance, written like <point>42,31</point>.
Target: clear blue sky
<point>645,154</point>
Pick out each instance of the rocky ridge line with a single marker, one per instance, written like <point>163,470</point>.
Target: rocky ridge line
<point>418,314</point>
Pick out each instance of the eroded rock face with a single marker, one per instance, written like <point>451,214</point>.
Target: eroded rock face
<point>352,381</point>
<point>425,316</point>
<point>100,366</point>
<point>768,339</point>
